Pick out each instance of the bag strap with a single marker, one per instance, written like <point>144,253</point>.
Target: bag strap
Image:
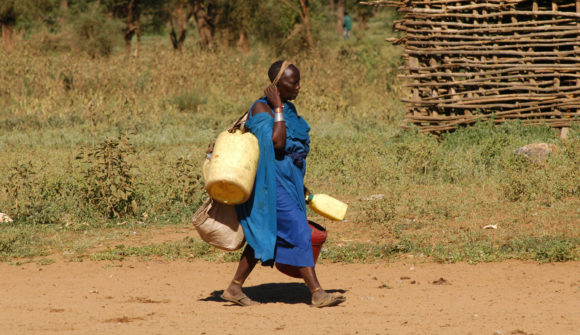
<point>201,213</point>
<point>240,124</point>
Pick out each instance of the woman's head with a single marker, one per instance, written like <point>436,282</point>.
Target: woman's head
<point>288,82</point>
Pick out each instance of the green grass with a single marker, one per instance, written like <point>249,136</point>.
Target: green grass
<point>59,110</point>
<point>470,249</point>
<point>188,248</point>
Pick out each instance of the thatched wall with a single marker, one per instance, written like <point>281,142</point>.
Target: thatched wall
<point>500,59</point>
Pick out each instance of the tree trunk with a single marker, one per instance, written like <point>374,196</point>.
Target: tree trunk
<point>339,16</point>
<point>128,36</point>
<point>362,22</point>
<point>129,31</point>
<point>331,3</point>
<point>306,18</point>
<point>177,41</point>
<point>204,23</point>
<point>133,27</point>
<point>7,36</point>
<point>63,11</point>
<point>243,41</point>
<point>138,31</point>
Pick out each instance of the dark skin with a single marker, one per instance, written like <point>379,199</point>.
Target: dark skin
<point>287,89</point>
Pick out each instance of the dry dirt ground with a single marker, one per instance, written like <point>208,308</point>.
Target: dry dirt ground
<point>179,297</point>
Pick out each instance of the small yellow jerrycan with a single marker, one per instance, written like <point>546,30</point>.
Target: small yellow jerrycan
<point>327,206</point>
<point>231,172</point>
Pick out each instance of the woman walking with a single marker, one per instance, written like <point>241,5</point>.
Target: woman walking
<point>274,218</point>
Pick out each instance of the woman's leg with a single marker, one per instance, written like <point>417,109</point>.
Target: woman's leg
<point>245,267</point>
<point>310,278</point>
<point>320,297</point>
<point>234,291</point>
<point>311,281</point>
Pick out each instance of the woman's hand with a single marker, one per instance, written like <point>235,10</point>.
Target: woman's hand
<point>306,192</point>
<point>273,96</point>
<point>279,128</point>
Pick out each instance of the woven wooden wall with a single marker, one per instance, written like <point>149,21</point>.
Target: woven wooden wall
<point>502,59</point>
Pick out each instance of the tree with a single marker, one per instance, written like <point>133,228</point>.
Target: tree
<point>363,14</point>
<point>340,16</point>
<point>133,27</point>
<point>93,29</point>
<point>178,15</point>
<point>204,14</point>
<point>23,13</point>
<point>303,12</point>
<point>235,19</point>
<point>63,10</point>
<point>129,11</point>
<point>7,22</point>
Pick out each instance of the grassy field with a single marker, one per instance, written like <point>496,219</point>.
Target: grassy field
<point>94,149</point>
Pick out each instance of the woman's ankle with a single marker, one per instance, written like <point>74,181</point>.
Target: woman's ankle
<point>235,287</point>
<point>318,293</point>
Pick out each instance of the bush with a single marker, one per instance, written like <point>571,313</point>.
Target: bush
<point>554,179</point>
<point>30,195</point>
<point>382,211</point>
<point>188,101</point>
<point>93,32</point>
<point>20,190</point>
<point>109,179</point>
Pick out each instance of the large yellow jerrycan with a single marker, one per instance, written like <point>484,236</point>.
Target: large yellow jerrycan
<point>232,170</point>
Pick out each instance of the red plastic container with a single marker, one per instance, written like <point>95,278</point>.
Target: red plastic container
<point>318,238</point>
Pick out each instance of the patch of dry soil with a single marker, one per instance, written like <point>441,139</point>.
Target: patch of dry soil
<point>177,297</point>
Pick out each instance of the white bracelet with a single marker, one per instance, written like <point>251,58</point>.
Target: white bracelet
<point>278,117</point>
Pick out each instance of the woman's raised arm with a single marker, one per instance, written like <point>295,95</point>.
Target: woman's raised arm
<point>279,129</point>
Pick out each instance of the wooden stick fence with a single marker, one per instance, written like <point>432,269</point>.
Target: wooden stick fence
<point>476,60</point>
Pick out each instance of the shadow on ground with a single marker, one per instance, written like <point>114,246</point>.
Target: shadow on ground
<point>288,293</point>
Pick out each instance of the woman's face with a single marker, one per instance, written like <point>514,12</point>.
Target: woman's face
<point>289,84</point>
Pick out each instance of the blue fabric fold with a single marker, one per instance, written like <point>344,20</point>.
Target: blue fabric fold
<point>298,158</point>
<point>258,215</point>
<point>296,127</point>
<point>289,174</point>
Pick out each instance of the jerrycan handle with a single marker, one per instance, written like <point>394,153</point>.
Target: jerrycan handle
<point>240,123</point>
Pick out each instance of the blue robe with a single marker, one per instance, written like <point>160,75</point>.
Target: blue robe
<point>274,217</point>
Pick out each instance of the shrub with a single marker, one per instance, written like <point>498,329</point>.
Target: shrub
<point>382,211</point>
<point>93,32</point>
<point>188,182</point>
<point>188,101</point>
<point>109,181</point>
<point>20,190</point>
<point>557,177</point>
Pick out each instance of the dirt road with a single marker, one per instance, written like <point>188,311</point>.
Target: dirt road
<point>176,297</point>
